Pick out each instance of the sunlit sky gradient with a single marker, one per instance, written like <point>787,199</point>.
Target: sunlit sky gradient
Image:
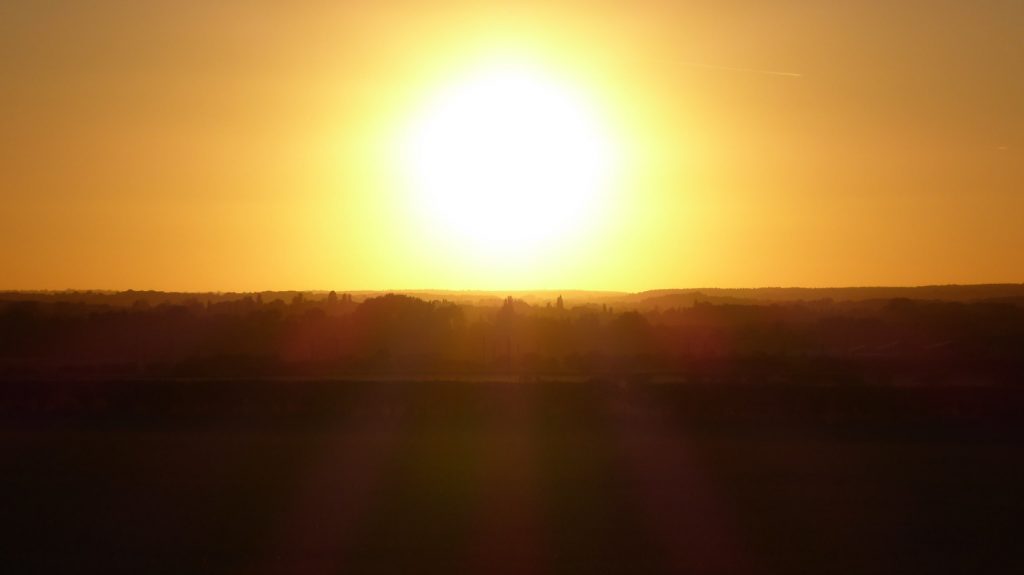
<point>251,145</point>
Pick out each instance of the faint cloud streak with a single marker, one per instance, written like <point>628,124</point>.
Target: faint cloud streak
<point>748,70</point>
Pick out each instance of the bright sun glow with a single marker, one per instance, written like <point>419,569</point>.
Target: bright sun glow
<point>509,161</point>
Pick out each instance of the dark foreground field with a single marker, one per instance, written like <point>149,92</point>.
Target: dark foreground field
<point>585,477</point>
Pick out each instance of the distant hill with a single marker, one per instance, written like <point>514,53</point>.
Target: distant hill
<point>1010,293</point>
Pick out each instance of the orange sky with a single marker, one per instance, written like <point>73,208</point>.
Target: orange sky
<point>246,145</point>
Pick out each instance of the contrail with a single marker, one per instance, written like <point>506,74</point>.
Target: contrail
<point>750,70</point>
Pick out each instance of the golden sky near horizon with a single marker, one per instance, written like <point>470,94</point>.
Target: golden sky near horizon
<point>520,145</point>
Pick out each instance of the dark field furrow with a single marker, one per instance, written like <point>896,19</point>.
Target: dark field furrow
<point>589,477</point>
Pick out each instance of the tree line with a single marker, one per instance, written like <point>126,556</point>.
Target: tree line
<point>891,340</point>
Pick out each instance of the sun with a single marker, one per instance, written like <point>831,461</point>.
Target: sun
<point>508,161</point>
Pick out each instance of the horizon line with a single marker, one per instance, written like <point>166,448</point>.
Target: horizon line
<point>507,291</point>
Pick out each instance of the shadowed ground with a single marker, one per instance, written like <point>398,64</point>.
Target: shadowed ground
<point>503,477</point>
